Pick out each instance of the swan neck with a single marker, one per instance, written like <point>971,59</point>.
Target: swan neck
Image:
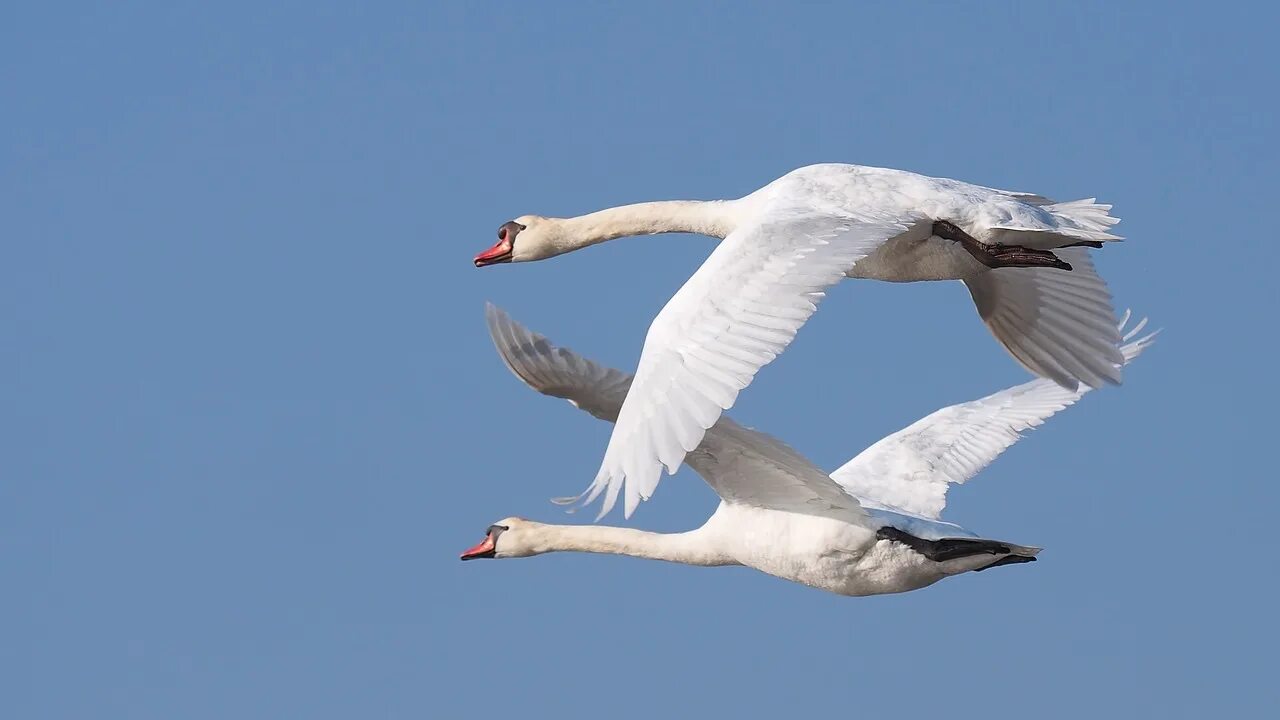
<point>689,548</point>
<point>713,218</point>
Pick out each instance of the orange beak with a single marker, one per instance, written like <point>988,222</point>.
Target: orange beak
<point>483,550</point>
<point>500,252</point>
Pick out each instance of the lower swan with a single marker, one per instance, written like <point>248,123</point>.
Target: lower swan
<point>871,527</point>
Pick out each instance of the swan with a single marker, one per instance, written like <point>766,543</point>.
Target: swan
<point>871,527</point>
<point>1023,258</point>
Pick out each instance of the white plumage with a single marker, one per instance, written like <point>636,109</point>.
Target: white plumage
<point>779,513</point>
<point>786,243</point>
<point>912,469</point>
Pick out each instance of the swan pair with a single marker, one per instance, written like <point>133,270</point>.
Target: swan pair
<point>871,527</point>
<point>1022,257</point>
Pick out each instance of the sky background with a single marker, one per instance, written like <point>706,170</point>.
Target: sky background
<point>251,413</point>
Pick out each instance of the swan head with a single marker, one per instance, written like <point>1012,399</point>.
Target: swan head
<point>507,538</point>
<point>527,238</point>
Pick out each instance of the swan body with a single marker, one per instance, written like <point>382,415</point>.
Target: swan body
<point>1019,255</point>
<point>824,553</point>
<point>871,527</point>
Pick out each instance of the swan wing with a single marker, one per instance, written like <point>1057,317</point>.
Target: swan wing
<point>750,467</point>
<point>734,315</point>
<point>742,465</point>
<point>556,371</point>
<point>913,468</point>
<point>1058,325</point>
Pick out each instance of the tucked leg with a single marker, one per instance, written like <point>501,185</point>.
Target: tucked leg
<point>1007,560</point>
<point>945,548</point>
<point>997,255</point>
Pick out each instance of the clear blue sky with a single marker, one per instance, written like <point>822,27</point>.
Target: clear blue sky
<point>251,413</point>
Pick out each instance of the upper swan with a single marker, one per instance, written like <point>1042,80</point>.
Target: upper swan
<point>1021,255</point>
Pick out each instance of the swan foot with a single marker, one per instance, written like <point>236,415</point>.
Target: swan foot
<point>946,548</point>
<point>1006,560</point>
<point>998,255</point>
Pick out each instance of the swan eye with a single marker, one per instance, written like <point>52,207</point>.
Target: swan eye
<point>509,230</point>
<point>503,250</point>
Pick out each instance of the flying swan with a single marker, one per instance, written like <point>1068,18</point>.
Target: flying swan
<point>871,527</point>
<point>1022,256</point>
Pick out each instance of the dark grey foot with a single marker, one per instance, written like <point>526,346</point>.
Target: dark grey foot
<point>946,548</point>
<point>998,255</point>
<point>1007,560</point>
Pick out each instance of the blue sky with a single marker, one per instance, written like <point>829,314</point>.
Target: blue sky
<point>251,412</point>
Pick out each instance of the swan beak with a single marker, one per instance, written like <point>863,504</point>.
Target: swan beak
<point>499,253</point>
<point>483,550</point>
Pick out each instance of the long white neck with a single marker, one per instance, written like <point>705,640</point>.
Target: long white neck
<point>715,218</point>
<point>689,548</point>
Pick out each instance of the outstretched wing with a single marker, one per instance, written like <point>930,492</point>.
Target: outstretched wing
<point>913,468</point>
<point>555,371</point>
<point>734,315</point>
<point>1058,325</point>
<point>740,464</point>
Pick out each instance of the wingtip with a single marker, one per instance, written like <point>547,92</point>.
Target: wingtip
<point>1132,348</point>
<point>494,317</point>
<point>630,502</point>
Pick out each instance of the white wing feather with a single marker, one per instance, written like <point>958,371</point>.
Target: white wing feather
<point>742,465</point>
<point>733,316</point>
<point>1059,325</point>
<point>912,469</point>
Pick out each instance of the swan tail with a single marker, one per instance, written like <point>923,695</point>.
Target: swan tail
<point>1079,223</point>
<point>1087,215</point>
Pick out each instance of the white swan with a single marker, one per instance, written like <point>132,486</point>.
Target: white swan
<point>785,243</point>
<point>871,527</point>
